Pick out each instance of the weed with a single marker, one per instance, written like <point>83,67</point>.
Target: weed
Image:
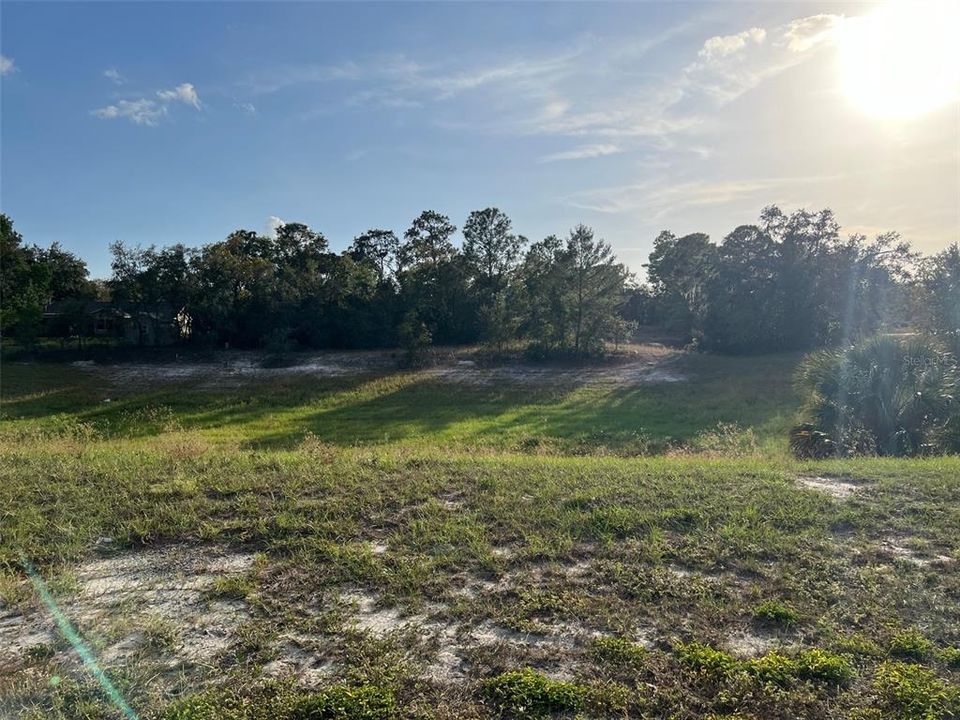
<point>618,652</point>
<point>910,645</point>
<point>528,694</point>
<point>911,692</point>
<point>772,612</point>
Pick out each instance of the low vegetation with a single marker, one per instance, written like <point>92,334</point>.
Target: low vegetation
<point>885,396</point>
<point>394,544</point>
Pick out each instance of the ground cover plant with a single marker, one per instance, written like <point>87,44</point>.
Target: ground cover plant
<point>425,544</point>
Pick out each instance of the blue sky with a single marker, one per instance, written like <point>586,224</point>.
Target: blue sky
<point>156,123</point>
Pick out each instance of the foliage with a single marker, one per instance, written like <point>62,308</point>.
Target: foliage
<point>911,692</point>
<point>910,645</point>
<point>815,664</point>
<point>528,694</point>
<point>343,702</point>
<point>776,613</point>
<point>884,396</point>
<point>281,702</point>
<point>619,652</point>
<point>788,283</point>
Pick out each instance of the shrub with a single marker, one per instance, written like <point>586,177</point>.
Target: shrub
<point>528,694</point>
<point>884,396</point>
<point>911,692</point>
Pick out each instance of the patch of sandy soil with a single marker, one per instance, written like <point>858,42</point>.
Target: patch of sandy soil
<point>747,644</point>
<point>456,641</point>
<point>236,369</point>
<point>648,364</point>
<point>154,600</point>
<point>896,547</point>
<point>834,487</point>
<point>644,364</point>
<point>297,657</point>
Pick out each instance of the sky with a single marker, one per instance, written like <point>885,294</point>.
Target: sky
<point>158,123</point>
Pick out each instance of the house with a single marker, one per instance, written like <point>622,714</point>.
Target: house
<point>142,324</point>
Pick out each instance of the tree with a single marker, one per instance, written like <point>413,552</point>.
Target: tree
<point>379,248</point>
<point>596,289</point>
<point>491,249</point>
<point>679,269</point>
<point>33,277</point>
<point>427,240</point>
<point>939,296</point>
<point>542,285</point>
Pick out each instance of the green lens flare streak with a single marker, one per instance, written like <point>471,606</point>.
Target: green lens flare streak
<point>73,637</point>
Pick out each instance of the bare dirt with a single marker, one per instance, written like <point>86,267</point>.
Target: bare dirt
<point>161,598</point>
<point>834,487</point>
<point>639,365</point>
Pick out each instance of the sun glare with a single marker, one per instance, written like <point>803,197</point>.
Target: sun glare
<point>903,59</point>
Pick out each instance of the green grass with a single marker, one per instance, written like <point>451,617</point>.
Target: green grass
<point>406,409</point>
<point>623,514</point>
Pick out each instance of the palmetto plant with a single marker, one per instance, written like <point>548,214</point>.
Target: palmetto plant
<point>883,396</point>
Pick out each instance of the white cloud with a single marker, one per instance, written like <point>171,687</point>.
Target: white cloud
<point>147,111</point>
<point>114,76</point>
<point>728,67</point>
<point>246,108</point>
<point>6,65</point>
<point>582,152</point>
<point>184,93</point>
<point>141,112</point>
<point>806,33</point>
<point>723,45</point>
<point>273,224</point>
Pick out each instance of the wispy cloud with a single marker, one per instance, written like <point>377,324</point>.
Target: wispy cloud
<point>150,111</point>
<point>114,76</point>
<point>656,199</point>
<point>6,65</point>
<point>246,108</point>
<point>723,45</point>
<point>583,152</point>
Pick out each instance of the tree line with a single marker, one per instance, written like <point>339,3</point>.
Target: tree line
<point>788,282</point>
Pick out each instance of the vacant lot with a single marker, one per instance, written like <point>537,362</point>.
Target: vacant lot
<point>350,541</point>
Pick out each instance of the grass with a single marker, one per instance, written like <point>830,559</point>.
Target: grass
<point>611,543</point>
<point>404,409</point>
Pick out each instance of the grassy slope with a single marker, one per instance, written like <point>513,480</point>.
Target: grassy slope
<point>389,456</point>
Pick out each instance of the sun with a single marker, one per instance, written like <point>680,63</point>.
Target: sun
<point>903,59</point>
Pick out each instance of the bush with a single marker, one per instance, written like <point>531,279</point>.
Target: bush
<point>528,694</point>
<point>884,396</point>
